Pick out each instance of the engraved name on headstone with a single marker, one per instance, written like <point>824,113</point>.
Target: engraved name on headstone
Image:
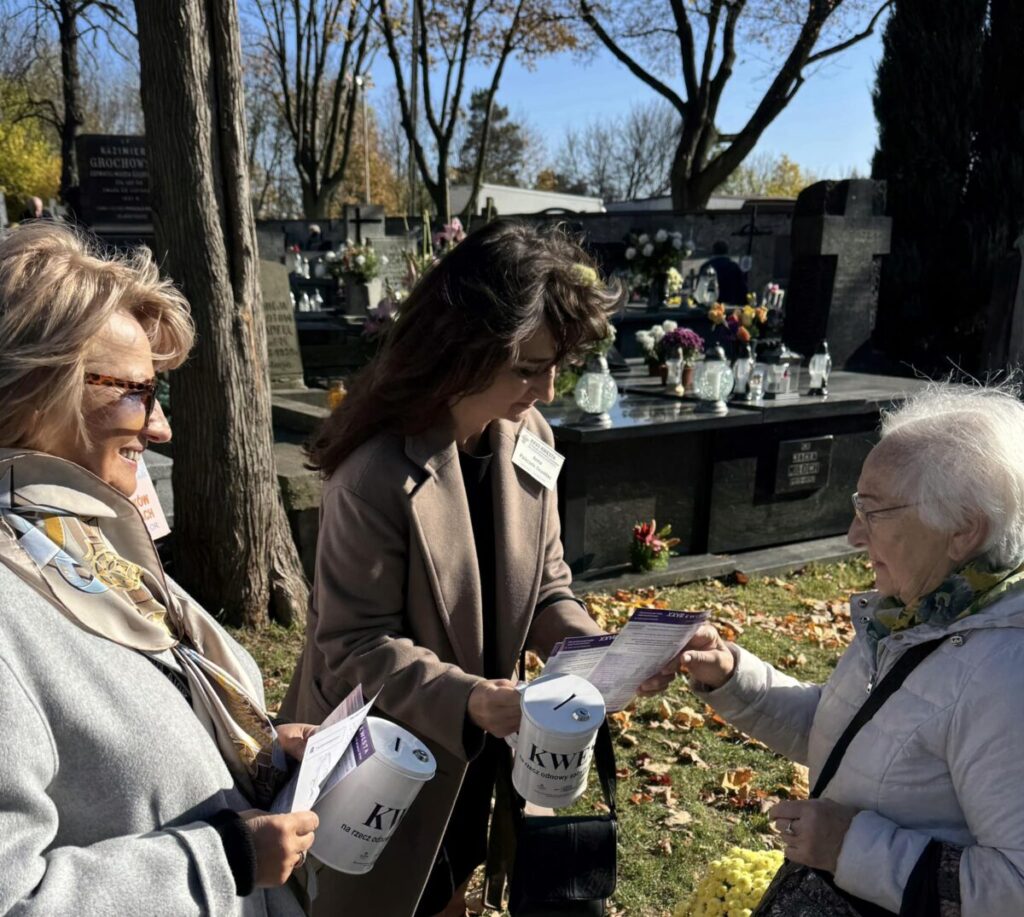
<point>282,338</point>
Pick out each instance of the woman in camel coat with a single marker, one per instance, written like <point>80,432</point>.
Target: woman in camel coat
<point>439,558</point>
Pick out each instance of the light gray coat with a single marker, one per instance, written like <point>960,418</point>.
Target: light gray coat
<point>941,759</point>
<point>106,775</point>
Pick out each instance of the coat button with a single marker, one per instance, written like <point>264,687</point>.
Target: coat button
<point>863,603</point>
<point>865,619</point>
<point>957,640</point>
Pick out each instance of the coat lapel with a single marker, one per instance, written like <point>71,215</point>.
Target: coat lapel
<point>519,544</point>
<point>444,532</point>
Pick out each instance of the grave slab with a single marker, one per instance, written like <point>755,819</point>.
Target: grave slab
<point>282,339</point>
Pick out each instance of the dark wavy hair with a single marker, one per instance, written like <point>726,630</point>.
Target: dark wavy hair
<point>464,321</point>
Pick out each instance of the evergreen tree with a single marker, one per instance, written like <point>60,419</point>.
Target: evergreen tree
<point>507,145</point>
<point>926,99</point>
<point>995,194</point>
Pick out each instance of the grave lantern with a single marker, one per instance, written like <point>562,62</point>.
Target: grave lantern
<point>780,369</point>
<point>707,287</point>
<point>742,367</point>
<point>596,392</point>
<point>820,369</point>
<point>715,382</point>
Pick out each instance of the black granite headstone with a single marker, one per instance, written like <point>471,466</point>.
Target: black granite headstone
<point>114,182</point>
<point>840,233</point>
<point>1003,344</point>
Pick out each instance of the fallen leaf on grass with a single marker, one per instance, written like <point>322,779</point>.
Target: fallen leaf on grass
<point>601,807</point>
<point>621,719</point>
<point>664,709</point>
<point>741,578</point>
<point>640,798</point>
<point>688,717</point>
<point>737,778</point>
<point>628,741</point>
<point>665,847</point>
<point>689,755</point>
<point>678,818</point>
<point>655,768</point>
<point>793,661</point>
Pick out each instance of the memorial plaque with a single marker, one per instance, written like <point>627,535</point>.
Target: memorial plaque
<point>282,338</point>
<point>114,182</point>
<point>803,464</point>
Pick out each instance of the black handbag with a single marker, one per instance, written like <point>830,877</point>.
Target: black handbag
<point>800,890</point>
<point>564,864</point>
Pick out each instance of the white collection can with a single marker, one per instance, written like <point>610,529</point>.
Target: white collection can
<point>359,815</point>
<point>561,716</point>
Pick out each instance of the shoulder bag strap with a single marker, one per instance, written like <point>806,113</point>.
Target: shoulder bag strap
<point>604,757</point>
<point>888,686</point>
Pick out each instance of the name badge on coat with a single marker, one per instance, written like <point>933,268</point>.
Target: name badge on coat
<point>537,459</point>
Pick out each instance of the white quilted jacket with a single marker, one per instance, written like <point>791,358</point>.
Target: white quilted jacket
<point>943,758</point>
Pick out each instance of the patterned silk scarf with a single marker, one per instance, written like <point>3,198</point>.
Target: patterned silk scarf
<point>966,591</point>
<point>55,540</point>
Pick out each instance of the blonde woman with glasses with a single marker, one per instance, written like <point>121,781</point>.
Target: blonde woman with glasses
<point>137,756</point>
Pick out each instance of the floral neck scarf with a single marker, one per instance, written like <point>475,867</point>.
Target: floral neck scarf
<point>84,551</point>
<point>966,591</point>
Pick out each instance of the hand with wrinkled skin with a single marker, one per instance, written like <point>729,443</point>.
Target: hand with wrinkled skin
<point>707,657</point>
<point>818,829</point>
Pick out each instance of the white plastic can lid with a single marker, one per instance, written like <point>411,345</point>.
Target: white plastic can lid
<point>563,705</point>
<point>400,750</point>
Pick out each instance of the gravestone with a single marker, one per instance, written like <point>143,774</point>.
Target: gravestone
<point>840,233</point>
<point>114,182</point>
<point>364,221</point>
<point>3,211</point>
<point>282,339</point>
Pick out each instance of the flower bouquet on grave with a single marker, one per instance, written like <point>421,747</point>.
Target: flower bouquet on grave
<point>356,263</point>
<point>680,343</point>
<point>651,257</point>
<point>650,547</point>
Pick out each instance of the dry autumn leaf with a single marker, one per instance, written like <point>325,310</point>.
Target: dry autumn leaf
<point>678,818</point>
<point>737,778</point>
<point>664,709</point>
<point>688,717</point>
<point>655,768</point>
<point>689,755</point>
<point>665,847</point>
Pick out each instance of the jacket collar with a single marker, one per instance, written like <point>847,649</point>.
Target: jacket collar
<point>37,478</point>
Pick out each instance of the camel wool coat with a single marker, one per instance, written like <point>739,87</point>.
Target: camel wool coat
<point>397,607</point>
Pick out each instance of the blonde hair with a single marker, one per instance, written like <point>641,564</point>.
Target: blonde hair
<point>58,291</point>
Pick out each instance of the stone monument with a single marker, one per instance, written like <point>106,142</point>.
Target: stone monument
<point>282,338</point>
<point>840,233</point>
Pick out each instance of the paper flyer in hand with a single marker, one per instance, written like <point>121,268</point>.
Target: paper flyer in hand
<point>617,664</point>
<point>331,754</point>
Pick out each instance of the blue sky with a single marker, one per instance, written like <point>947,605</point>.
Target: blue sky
<point>828,128</point>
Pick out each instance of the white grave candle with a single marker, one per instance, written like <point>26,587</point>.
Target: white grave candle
<point>358,816</point>
<point>561,716</point>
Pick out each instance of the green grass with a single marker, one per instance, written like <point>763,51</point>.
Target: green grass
<point>773,614</point>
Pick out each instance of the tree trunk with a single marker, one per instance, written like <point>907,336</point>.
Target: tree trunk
<point>71,125</point>
<point>233,546</point>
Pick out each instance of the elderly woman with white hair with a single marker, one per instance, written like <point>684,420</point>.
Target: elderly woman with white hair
<point>137,755</point>
<point>915,743</point>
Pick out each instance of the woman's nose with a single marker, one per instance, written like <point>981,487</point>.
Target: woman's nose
<point>158,430</point>
<point>544,387</point>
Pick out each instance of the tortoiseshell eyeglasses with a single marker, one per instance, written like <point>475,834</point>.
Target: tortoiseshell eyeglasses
<point>146,388</point>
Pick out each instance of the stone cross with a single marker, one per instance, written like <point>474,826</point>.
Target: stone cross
<point>364,216</point>
<point>282,338</point>
<point>840,233</point>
